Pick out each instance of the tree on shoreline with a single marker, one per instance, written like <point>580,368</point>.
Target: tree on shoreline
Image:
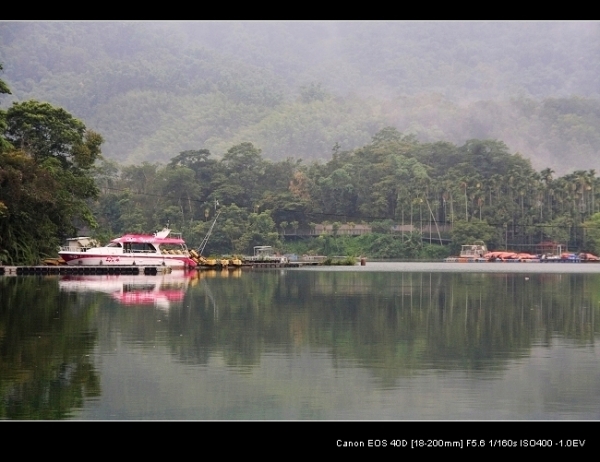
<point>46,161</point>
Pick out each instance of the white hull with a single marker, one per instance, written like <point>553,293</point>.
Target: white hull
<point>85,259</point>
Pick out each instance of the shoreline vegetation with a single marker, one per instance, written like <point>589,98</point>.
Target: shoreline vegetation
<point>388,194</point>
<point>340,261</point>
<point>372,201</point>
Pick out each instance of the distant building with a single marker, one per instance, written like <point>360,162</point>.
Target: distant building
<point>343,230</point>
<point>359,229</point>
<point>403,228</point>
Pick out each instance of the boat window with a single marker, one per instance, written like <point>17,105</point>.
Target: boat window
<point>173,248</point>
<point>114,244</point>
<point>141,247</point>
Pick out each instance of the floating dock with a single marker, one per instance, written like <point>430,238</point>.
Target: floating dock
<point>72,269</point>
<point>258,265</point>
<point>41,270</point>
<point>273,264</point>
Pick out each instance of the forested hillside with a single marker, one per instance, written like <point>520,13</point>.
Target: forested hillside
<point>400,191</point>
<point>297,89</point>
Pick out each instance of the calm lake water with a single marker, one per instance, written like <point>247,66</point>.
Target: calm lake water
<point>387,341</point>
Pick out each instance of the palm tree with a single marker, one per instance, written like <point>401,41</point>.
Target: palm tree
<point>546,177</point>
<point>283,225</point>
<point>463,185</point>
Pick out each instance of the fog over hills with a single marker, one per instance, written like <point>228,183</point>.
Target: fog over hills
<point>295,89</point>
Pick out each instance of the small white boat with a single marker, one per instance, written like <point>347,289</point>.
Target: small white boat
<point>156,249</point>
<point>469,253</point>
<point>265,253</point>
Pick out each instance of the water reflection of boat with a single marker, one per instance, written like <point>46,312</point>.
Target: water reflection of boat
<point>161,290</point>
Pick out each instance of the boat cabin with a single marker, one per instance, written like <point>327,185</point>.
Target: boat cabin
<point>80,244</point>
<point>476,250</point>
<point>263,251</point>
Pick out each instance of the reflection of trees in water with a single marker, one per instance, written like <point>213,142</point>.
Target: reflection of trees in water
<point>469,321</point>
<point>45,343</point>
<point>231,316</point>
<point>392,323</point>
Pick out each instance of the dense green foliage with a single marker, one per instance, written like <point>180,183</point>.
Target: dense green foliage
<point>279,151</point>
<point>415,197</point>
<point>46,156</point>
<point>297,88</point>
<point>420,200</point>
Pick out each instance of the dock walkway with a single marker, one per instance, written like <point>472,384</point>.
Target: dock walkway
<point>42,270</point>
<point>72,269</point>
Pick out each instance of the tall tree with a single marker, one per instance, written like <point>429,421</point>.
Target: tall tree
<point>45,181</point>
<point>42,130</point>
<point>240,181</point>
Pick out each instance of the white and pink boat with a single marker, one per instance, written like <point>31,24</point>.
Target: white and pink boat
<point>158,249</point>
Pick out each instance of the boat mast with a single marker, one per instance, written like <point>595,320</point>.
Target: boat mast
<point>205,240</point>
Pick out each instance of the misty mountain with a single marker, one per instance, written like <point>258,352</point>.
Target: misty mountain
<point>295,89</point>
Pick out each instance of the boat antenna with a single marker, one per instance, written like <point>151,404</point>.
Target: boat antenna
<point>205,240</point>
